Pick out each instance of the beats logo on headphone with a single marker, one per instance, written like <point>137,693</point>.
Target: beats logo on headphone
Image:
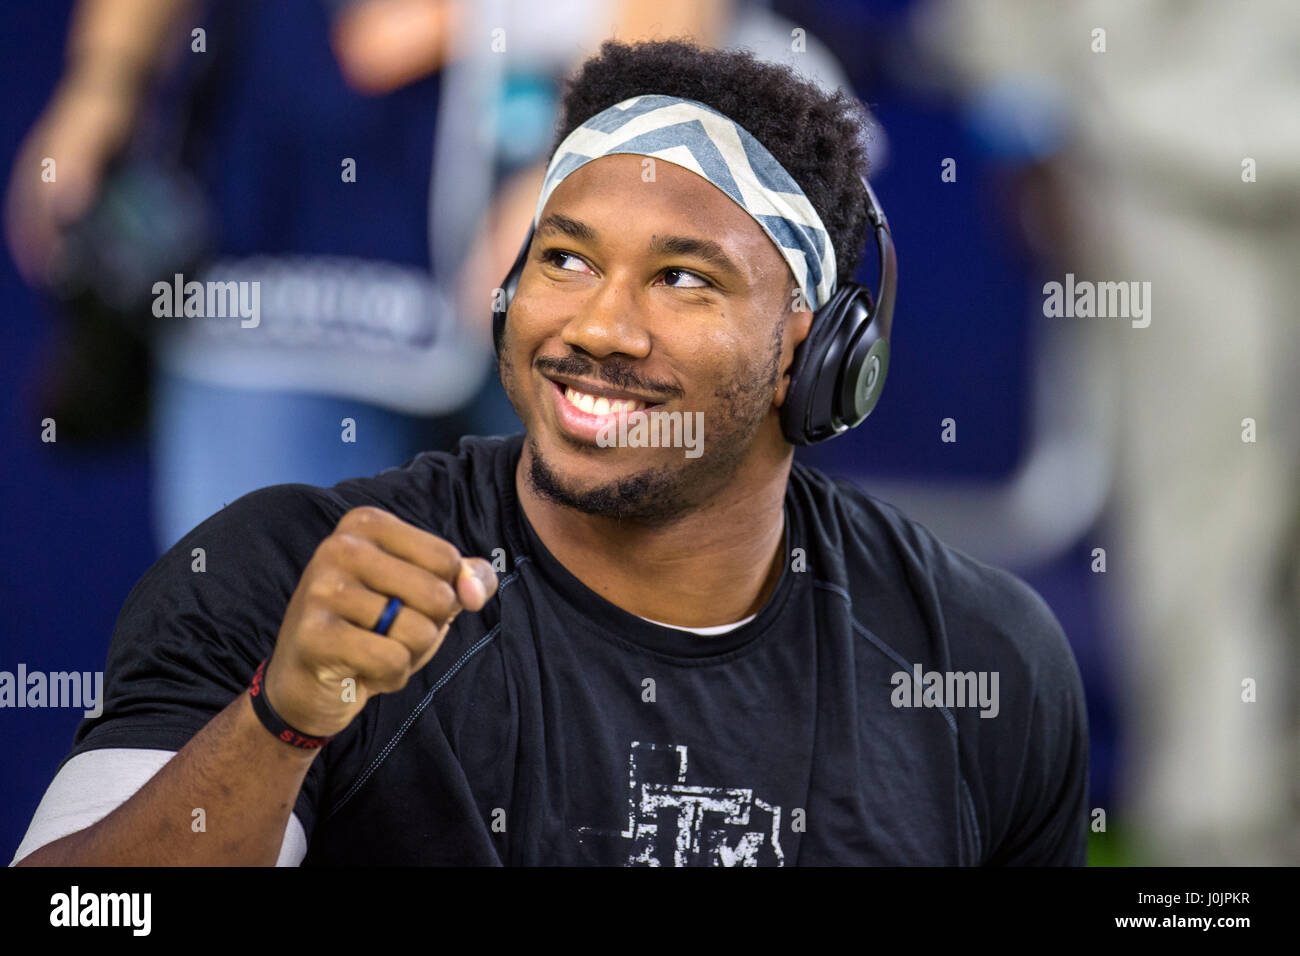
<point>839,369</point>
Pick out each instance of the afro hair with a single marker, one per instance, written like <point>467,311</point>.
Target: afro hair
<point>817,136</point>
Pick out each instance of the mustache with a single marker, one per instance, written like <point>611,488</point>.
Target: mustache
<point>617,373</point>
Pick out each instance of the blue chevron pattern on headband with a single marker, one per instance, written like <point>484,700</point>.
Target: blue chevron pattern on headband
<point>697,137</point>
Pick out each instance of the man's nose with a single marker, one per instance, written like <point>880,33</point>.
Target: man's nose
<point>611,320</point>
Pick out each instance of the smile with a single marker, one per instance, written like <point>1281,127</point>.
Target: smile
<point>600,405</point>
<point>583,415</point>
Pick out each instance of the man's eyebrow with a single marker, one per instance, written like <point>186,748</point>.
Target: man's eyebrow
<point>554,222</point>
<point>705,249</point>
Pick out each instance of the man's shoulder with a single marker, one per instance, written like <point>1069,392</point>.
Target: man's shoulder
<point>423,488</point>
<point>479,463</point>
<point>987,613</point>
<point>268,535</point>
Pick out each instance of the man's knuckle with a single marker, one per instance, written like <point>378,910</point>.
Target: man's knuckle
<point>325,586</point>
<point>393,677</point>
<point>348,548</point>
<point>327,552</point>
<point>424,632</point>
<point>439,596</point>
<point>388,661</point>
<point>320,621</point>
<point>361,518</point>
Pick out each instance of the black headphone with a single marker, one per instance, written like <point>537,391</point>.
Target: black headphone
<point>839,368</point>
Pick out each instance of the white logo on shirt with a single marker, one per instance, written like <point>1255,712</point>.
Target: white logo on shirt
<point>673,823</point>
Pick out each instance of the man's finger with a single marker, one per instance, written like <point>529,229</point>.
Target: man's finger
<point>390,576</point>
<point>381,663</point>
<point>402,540</point>
<point>354,604</point>
<point>476,582</point>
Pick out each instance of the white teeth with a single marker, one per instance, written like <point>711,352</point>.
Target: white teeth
<point>594,405</point>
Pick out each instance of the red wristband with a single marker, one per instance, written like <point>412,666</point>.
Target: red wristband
<point>274,722</point>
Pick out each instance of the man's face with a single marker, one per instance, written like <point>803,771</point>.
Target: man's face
<point>647,297</point>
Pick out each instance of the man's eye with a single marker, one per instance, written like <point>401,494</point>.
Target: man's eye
<point>694,281</point>
<point>558,257</point>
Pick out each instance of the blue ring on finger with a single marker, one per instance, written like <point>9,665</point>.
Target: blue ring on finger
<point>386,619</point>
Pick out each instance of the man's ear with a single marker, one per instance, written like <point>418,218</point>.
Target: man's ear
<point>798,322</point>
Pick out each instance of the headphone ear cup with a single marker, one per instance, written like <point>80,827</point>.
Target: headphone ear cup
<point>838,382</point>
<point>803,377</point>
<point>501,307</point>
<point>808,410</point>
<point>499,324</point>
<point>863,372</point>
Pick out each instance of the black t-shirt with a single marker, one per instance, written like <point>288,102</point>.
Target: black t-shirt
<point>553,727</point>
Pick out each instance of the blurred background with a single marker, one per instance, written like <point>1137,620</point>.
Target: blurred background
<point>1144,478</point>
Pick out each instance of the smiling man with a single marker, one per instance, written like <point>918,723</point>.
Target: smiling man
<point>551,649</point>
<point>667,295</point>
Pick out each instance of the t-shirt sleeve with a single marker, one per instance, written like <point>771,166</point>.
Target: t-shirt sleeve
<point>1046,823</point>
<point>195,626</point>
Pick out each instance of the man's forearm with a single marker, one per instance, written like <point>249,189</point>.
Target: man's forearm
<point>119,45</point>
<point>243,779</point>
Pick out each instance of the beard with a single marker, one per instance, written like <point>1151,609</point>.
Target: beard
<point>664,493</point>
<point>653,496</point>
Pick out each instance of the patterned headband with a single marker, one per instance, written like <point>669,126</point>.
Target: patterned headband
<point>699,138</point>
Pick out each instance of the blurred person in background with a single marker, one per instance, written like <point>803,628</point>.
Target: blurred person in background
<point>331,153</point>
<point>226,126</point>
<point>1165,149</point>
